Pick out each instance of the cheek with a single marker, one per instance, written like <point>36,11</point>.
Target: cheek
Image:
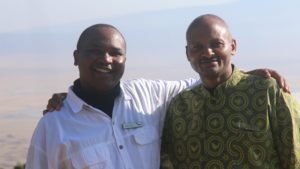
<point>193,59</point>
<point>194,64</point>
<point>121,60</point>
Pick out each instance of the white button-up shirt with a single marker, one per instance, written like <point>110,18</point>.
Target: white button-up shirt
<point>83,137</point>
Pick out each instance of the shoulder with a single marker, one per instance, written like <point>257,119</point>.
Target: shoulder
<point>71,105</point>
<point>142,83</point>
<point>53,117</point>
<point>186,96</point>
<point>258,82</point>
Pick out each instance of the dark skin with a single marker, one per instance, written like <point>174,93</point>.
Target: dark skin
<point>100,58</point>
<point>56,102</point>
<point>209,50</point>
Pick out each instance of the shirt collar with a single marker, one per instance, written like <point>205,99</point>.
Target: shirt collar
<point>124,94</point>
<point>233,80</point>
<point>77,104</point>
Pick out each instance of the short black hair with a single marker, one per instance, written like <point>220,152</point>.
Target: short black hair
<point>85,33</point>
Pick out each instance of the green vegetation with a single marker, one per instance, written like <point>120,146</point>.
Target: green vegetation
<point>19,166</point>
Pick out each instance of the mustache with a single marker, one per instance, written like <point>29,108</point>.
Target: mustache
<point>210,59</point>
<point>102,66</point>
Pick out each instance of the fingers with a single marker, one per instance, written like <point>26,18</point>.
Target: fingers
<point>280,80</point>
<point>55,103</point>
<point>45,111</point>
<point>267,73</point>
<point>260,72</point>
<point>264,72</point>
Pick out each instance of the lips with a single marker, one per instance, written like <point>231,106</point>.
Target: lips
<point>103,69</point>
<point>213,59</point>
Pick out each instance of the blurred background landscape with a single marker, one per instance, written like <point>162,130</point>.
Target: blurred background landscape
<point>37,39</point>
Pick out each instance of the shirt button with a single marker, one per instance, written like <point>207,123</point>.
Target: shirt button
<point>120,147</point>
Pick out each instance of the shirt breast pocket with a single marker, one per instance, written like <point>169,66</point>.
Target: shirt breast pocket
<point>147,141</point>
<point>146,135</point>
<point>96,157</point>
<point>260,127</point>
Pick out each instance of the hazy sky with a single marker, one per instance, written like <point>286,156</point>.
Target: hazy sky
<point>27,14</point>
<point>37,38</point>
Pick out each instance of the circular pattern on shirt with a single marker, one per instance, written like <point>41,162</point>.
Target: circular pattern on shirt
<point>216,103</point>
<point>256,155</point>
<point>244,84</point>
<point>195,165</point>
<point>215,122</point>
<point>194,147</point>
<point>180,150</point>
<point>238,101</point>
<point>235,150</point>
<point>215,164</point>
<point>259,124</point>
<point>214,146</point>
<point>179,127</point>
<point>235,122</point>
<point>281,117</point>
<point>196,103</point>
<point>286,136</point>
<point>261,84</point>
<point>179,107</point>
<point>259,101</point>
<point>195,125</point>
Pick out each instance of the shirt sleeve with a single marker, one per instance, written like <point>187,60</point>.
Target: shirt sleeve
<point>287,130</point>
<point>36,156</point>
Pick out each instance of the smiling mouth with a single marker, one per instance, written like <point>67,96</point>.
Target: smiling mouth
<point>214,59</point>
<point>103,69</point>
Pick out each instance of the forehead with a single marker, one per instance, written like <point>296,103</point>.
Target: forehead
<point>209,31</point>
<point>103,37</point>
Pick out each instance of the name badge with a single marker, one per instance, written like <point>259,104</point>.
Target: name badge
<point>132,125</point>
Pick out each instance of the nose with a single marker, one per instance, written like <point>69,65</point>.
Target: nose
<point>106,58</point>
<point>207,52</point>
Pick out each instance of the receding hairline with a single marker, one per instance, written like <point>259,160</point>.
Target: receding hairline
<point>88,30</point>
<point>204,20</point>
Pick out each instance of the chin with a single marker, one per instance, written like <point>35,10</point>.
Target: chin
<point>209,74</point>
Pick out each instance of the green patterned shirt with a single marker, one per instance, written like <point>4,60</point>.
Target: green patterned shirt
<point>247,122</point>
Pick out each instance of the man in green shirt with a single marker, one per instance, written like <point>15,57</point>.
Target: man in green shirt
<point>232,120</point>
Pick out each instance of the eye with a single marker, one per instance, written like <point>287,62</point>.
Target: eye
<point>93,52</point>
<point>194,48</point>
<point>116,53</point>
<point>217,44</point>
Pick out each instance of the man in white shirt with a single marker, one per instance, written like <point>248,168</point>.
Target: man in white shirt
<point>105,123</point>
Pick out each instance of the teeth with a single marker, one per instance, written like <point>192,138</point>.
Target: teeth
<point>210,60</point>
<point>102,70</point>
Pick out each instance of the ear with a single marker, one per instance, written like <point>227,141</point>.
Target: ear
<point>76,57</point>
<point>233,47</point>
<point>186,53</point>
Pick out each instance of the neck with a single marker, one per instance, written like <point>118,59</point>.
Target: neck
<point>101,100</point>
<point>212,82</point>
<point>100,89</point>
